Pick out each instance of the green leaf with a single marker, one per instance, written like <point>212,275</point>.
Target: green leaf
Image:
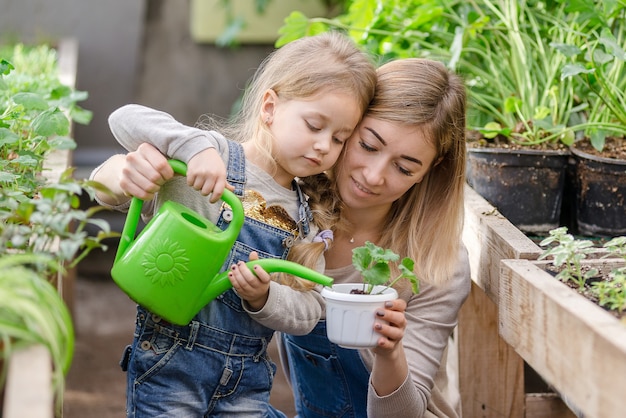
<point>62,142</point>
<point>6,177</point>
<point>378,274</point>
<point>295,27</point>
<point>610,43</point>
<point>51,122</point>
<point>8,137</point>
<point>571,70</point>
<point>6,67</point>
<point>566,49</point>
<point>511,104</point>
<point>80,115</point>
<point>31,101</point>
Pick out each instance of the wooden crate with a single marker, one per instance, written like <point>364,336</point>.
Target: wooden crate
<point>576,346</point>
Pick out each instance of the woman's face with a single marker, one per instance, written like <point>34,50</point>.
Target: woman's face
<point>382,161</point>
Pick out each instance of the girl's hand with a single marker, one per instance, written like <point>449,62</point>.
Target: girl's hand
<point>253,287</point>
<point>206,172</point>
<point>144,172</point>
<point>392,333</point>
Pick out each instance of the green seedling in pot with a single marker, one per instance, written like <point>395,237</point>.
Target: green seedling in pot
<point>373,263</point>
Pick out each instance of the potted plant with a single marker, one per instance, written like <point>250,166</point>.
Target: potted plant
<point>596,63</point>
<point>351,307</point>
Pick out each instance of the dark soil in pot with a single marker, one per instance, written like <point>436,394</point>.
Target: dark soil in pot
<point>525,185</point>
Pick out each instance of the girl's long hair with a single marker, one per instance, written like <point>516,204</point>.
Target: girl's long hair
<point>300,70</point>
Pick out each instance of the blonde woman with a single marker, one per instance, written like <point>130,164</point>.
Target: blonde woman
<point>399,184</point>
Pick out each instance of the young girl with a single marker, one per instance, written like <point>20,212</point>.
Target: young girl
<point>399,184</point>
<point>303,104</point>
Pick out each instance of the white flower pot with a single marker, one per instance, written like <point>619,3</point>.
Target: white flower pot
<point>350,317</point>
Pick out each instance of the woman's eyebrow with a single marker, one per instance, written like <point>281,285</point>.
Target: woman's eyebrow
<point>382,141</point>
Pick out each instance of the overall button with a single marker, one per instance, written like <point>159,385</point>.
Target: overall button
<point>145,345</point>
<point>155,318</point>
<point>227,215</point>
<point>288,242</point>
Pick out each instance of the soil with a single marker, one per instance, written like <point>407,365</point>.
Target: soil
<point>613,148</point>
<point>586,290</point>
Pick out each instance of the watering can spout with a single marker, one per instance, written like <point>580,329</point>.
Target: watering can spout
<point>221,283</point>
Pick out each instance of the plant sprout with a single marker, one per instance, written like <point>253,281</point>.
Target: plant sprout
<point>568,254</point>
<point>373,263</point>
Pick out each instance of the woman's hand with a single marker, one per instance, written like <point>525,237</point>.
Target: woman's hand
<point>393,332</point>
<point>253,287</point>
<point>390,365</point>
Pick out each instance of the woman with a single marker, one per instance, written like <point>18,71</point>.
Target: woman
<point>399,184</point>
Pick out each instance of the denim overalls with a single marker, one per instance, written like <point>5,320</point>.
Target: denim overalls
<point>327,380</point>
<point>217,366</point>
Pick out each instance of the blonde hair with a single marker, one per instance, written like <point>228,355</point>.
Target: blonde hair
<point>301,69</point>
<point>426,223</point>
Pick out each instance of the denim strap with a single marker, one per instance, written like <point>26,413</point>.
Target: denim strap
<point>236,175</point>
<point>304,212</point>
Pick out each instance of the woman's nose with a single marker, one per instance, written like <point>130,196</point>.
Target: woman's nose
<point>374,174</point>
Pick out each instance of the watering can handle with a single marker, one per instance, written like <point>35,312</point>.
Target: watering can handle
<point>134,210</point>
<point>221,283</point>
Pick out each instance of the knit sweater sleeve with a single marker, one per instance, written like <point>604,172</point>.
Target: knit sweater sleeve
<point>288,310</point>
<point>134,124</point>
<point>431,317</point>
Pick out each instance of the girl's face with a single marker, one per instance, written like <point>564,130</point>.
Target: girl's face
<point>309,134</point>
<point>382,161</point>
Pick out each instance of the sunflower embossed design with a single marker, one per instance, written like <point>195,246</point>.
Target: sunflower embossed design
<point>165,262</point>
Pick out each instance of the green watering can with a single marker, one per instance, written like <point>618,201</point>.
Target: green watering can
<point>172,267</point>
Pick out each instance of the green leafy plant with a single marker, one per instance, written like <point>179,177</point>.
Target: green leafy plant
<point>373,264</point>
<point>501,47</point>
<point>597,64</point>
<point>33,312</point>
<point>42,228</point>
<point>568,254</point>
<point>611,293</point>
<point>40,216</point>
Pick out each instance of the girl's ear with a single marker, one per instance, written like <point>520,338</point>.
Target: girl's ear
<point>268,106</point>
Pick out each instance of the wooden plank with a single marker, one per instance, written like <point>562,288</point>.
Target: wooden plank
<point>491,374</point>
<point>28,390</point>
<point>546,405</point>
<point>576,346</point>
<point>489,238</point>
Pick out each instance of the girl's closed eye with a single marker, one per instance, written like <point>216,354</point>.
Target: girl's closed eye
<point>312,126</point>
